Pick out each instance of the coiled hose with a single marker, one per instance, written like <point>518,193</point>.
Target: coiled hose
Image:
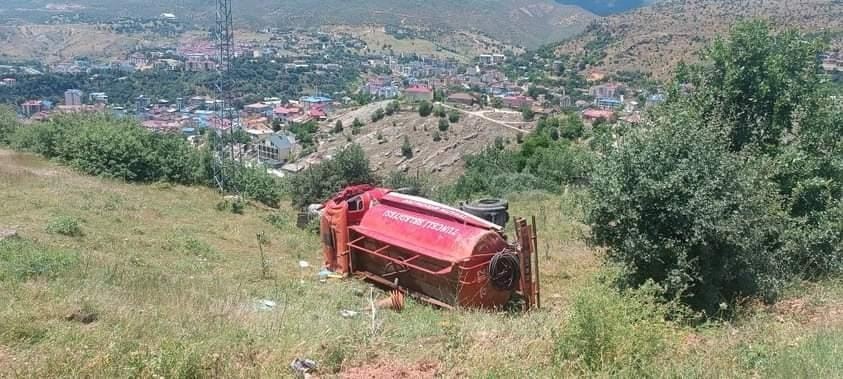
<point>504,270</point>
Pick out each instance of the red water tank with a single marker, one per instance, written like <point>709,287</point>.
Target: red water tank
<point>430,250</point>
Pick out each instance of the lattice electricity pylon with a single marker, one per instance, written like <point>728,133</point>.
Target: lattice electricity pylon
<point>224,147</point>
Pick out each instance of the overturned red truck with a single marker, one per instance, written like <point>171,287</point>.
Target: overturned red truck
<point>436,253</point>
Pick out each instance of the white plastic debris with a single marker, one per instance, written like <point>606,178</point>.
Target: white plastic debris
<point>304,264</point>
<point>266,305</point>
<point>348,313</point>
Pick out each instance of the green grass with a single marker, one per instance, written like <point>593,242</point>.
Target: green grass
<point>175,283</point>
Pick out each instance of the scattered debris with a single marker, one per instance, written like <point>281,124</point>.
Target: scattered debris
<point>304,264</point>
<point>348,313</point>
<point>266,305</point>
<point>7,233</point>
<point>395,301</point>
<point>83,316</point>
<point>326,274</point>
<point>303,367</point>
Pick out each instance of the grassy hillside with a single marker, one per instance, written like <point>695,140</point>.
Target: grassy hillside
<point>523,22</point>
<point>655,38</point>
<point>160,283</point>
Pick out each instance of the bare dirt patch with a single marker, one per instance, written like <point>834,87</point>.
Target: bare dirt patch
<point>388,369</point>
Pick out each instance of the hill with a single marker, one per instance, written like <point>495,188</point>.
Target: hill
<point>160,283</point>
<point>58,43</point>
<point>443,159</point>
<point>653,39</point>
<point>522,22</point>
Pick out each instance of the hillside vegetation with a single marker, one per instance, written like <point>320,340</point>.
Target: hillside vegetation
<point>655,38</point>
<point>714,227</point>
<point>159,282</point>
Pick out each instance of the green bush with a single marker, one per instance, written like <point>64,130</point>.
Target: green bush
<point>406,148</point>
<point>64,225</point>
<point>454,117</point>
<point>619,334</point>
<point>425,108</point>
<point>715,198</point>
<point>378,115</point>
<point>119,148</point>
<point>318,182</point>
<point>8,123</point>
<point>22,259</point>
<point>672,204</point>
<point>444,125</point>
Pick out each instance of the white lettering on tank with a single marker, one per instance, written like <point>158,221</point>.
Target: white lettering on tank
<point>420,222</point>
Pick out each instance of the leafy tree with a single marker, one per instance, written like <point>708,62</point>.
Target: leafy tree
<point>497,102</point>
<point>572,128</point>
<point>730,188</point>
<point>406,148</point>
<point>759,84</point>
<point>314,185</point>
<point>527,114</point>
<point>337,127</point>
<point>425,108</point>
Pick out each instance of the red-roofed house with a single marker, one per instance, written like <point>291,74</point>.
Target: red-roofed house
<point>418,93</point>
<point>317,113</point>
<point>517,102</point>
<point>286,113</point>
<point>597,114</point>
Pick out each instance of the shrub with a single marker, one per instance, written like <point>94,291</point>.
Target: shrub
<point>454,117</point>
<point>716,199</point>
<point>673,205</point>
<point>418,184</point>
<point>337,127</point>
<point>439,111</point>
<point>444,125</point>
<point>64,225</point>
<point>318,182</point>
<point>619,334</point>
<point>572,128</point>
<point>378,115</point>
<point>436,136</point>
<point>22,259</point>
<point>119,148</point>
<point>8,123</point>
<point>425,108</point>
<point>527,114</point>
<point>406,148</point>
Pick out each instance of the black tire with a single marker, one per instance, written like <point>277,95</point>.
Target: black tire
<point>489,204</point>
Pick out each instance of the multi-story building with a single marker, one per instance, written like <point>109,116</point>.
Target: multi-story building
<point>73,97</point>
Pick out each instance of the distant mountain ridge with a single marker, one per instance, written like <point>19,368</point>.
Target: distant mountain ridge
<point>655,38</point>
<point>527,23</point>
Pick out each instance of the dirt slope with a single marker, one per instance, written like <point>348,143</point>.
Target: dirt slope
<point>655,38</point>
